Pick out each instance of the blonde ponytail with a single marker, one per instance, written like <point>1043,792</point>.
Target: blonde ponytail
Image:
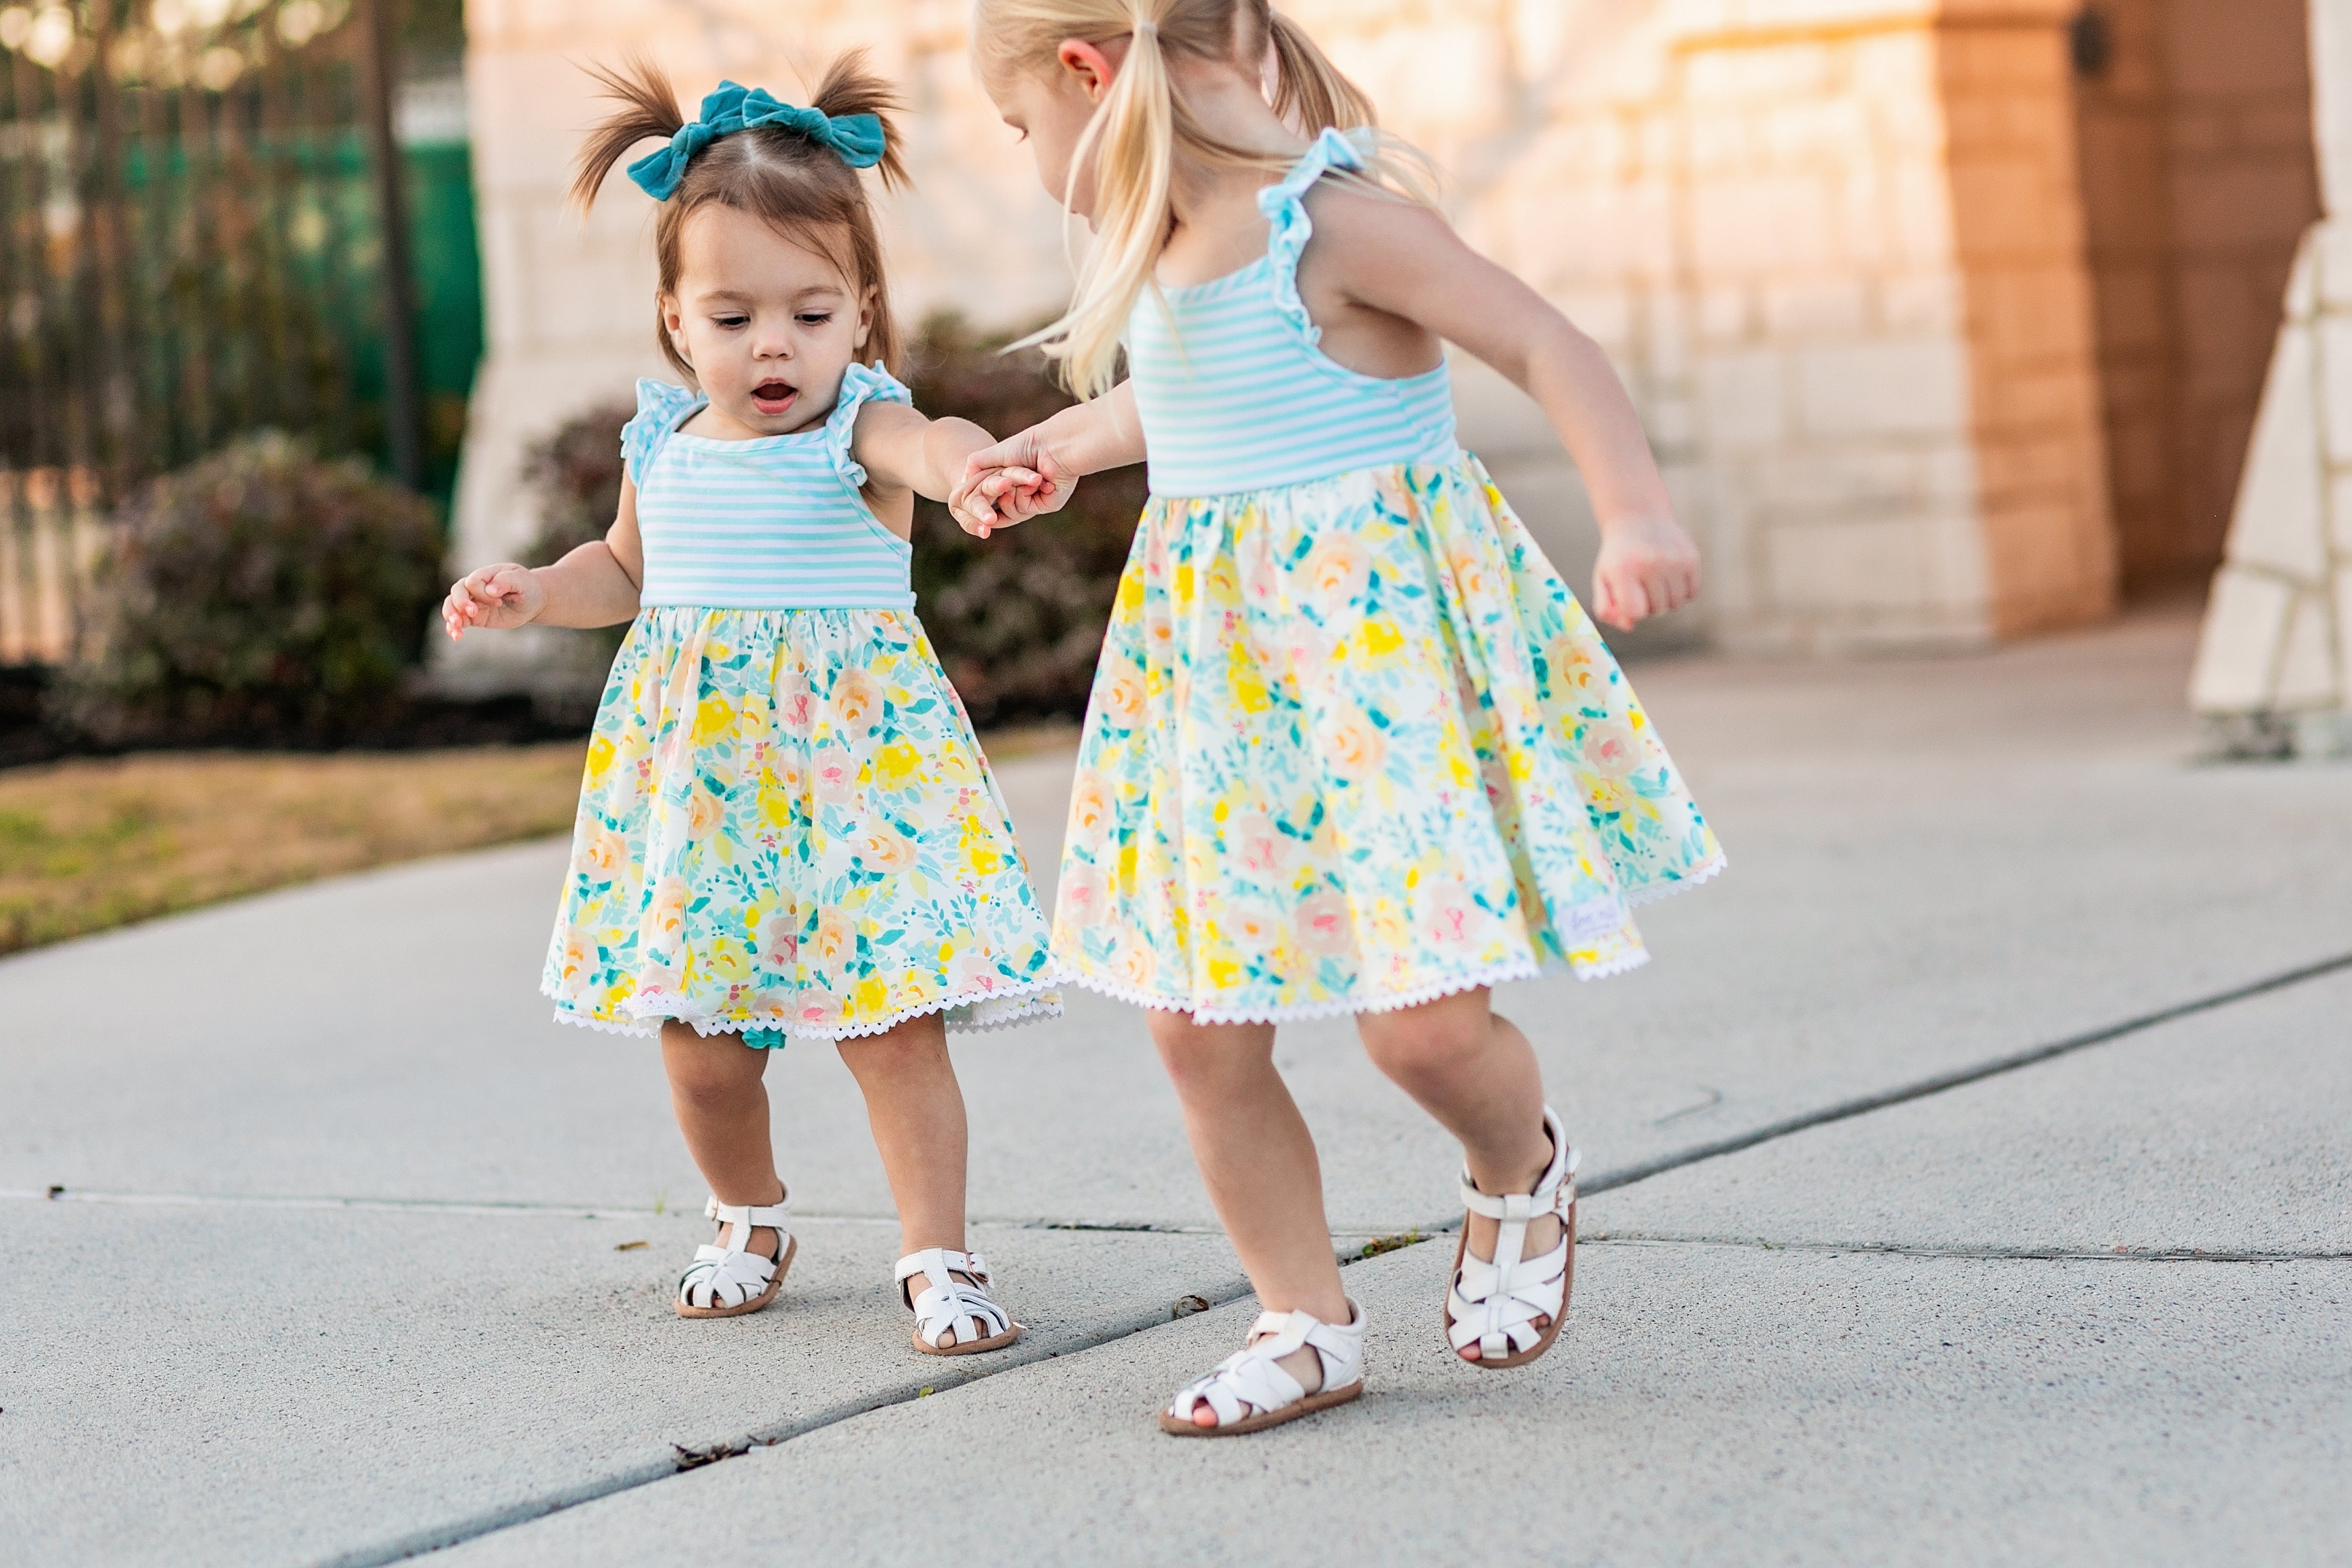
<point>1142,125</point>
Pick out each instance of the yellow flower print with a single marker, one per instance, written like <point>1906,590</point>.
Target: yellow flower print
<point>1379,641</point>
<point>601,751</point>
<point>713,718</point>
<point>872,997</point>
<point>897,765</point>
<point>981,856</point>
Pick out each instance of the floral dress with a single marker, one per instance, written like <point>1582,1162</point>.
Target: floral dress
<point>1353,744</point>
<point>786,826</point>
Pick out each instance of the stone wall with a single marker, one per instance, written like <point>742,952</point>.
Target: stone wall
<point>2198,180</point>
<point>1833,247</point>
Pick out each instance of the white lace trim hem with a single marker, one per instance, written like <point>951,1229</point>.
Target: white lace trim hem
<point>1338,1007</point>
<point>1707,870</point>
<point>1039,999</point>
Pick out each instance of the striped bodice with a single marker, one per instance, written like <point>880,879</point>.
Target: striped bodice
<point>1235,393</point>
<point>775,523</point>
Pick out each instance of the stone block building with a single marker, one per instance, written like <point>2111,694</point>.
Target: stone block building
<point>1948,319</point>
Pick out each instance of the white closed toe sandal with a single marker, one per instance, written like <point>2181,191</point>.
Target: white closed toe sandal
<point>1250,1391</point>
<point>1512,1307</point>
<point>729,1280</point>
<point>951,1317</point>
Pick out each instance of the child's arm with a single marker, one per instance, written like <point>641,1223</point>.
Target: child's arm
<point>901,449</point>
<point>1060,452</point>
<point>594,586</point>
<point>1407,261</point>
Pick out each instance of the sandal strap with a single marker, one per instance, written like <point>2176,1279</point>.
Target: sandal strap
<point>724,1277</point>
<point>771,1215</point>
<point>1555,1189</point>
<point>948,1303</point>
<point>1495,1302</point>
<point>1252,1378</point>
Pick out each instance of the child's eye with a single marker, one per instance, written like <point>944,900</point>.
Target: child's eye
<point>815,318</point>
<point>732,322</point>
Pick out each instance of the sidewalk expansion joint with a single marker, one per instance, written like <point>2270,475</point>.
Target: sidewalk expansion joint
<point>1966,1253</point>
<point>1225,1293</point>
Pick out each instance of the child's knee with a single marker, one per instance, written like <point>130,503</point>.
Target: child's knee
<point>712,1070</point>
<point>1406,1045</point>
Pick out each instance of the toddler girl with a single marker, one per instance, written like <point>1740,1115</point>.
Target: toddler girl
<point>1353,747</point>
<point>786,827</point>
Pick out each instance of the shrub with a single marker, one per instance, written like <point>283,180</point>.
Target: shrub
<point>577,473</point>
<point>260,594</point>
<point>1018,618</point>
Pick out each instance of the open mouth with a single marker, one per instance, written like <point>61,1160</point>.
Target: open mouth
<point>773,396</point>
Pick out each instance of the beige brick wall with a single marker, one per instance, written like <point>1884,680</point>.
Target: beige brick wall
<point>1831,247</point>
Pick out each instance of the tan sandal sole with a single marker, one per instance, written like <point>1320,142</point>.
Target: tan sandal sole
<point>1176,1426</point>
<point>775,1283</point>
<point>993,1343</point>
<point>1550,1333</point>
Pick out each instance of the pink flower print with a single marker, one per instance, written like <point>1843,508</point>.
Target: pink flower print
<point>884,849</point>
<point>796,706</point>
<point>1610,748</point>
<point>1086,897</point>
<point>819,1008</point>
<point>1253,927</point>
<point>1355,746</point>
<point>576,963</point>
<point>666,915</point>
<point>703,812</point>
<point>835,942</point>
<point>1322,925</point>
<point>1132,964</point>
<point>780,941</point>
<point>834,775</point>
<point>973,971</point>
<point>1450,917</point>
<point>1253,839</point>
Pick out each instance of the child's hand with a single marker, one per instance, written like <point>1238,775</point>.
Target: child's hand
<point>1010,482</point>
<point>493,597</point>
<point>1648,565</point>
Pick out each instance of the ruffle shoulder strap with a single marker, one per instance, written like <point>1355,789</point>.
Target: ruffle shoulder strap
<point>662,407</point>
<point>1284,202</point>
<point>860,385</point>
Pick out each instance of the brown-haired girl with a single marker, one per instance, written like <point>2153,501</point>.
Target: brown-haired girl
<point>1353,747</point>
<point>786,827</point>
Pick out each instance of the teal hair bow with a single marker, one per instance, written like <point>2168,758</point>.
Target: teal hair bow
<point>856,137</point>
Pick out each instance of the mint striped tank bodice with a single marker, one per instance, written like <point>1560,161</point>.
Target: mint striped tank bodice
<point>1234,390</point>
<point>775,523</point>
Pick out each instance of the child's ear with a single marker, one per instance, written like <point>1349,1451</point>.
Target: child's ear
<point>672,322</point>
<point>865,319</point>
<point>1088,66</point>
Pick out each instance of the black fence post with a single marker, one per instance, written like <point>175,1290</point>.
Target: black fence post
<point>379,46</point>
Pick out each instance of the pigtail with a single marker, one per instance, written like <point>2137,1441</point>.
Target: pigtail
<point>648,112</point>
<point>1132,140</point>
<point>1309,90</point>
<point>850,87</point>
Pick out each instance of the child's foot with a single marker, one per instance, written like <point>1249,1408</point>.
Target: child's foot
<point>953,1315</point>
<point>744,1274</point>
<point>1511,1272</point>
<point>1292,1365</point>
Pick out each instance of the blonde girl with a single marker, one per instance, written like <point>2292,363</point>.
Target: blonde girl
<point>1353,747</point>
<point>786,827</point>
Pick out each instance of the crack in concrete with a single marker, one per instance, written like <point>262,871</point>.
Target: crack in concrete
<point>1988,1254</point>
<point>643,1475</point>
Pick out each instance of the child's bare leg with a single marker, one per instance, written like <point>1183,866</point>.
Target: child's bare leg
<point>722,1109</point>
<point>1476,1074</point>
<point>1257,1160</point>
<point>916,1109</point>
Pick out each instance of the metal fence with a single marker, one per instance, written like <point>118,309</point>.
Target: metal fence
<point>192,245</point>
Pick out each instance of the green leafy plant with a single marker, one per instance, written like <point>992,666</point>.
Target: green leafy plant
<point>1018,618</point>
<point>261,593</point>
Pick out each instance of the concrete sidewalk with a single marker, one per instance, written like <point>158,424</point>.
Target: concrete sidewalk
<point>334,1275</point>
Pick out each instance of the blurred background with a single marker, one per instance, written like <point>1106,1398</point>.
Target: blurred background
<point>1951,323</point>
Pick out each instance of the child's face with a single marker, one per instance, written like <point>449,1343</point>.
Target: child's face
<point>1050,110</point>
<point>769,325</point>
